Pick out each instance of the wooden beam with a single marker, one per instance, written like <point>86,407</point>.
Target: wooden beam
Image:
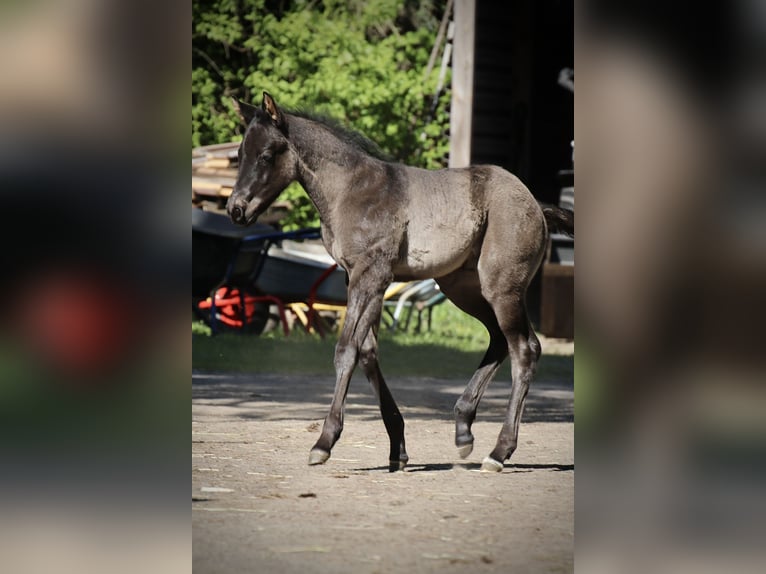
<point>214,171</point>
<point>439,40</point>
<point>213,182</point>
<point>462,83</point>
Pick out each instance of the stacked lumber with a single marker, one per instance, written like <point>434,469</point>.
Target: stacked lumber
<point>214,173</point>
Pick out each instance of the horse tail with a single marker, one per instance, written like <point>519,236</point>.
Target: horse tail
<point>559,220</point>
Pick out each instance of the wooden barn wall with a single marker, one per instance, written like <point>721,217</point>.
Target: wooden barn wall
<point>522,119</point>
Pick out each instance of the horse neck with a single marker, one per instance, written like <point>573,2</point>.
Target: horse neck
<point>325,163</point>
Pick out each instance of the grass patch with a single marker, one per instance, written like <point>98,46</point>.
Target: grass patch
<point>452,349</point>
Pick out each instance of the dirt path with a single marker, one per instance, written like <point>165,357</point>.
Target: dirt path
<point>257,506</point>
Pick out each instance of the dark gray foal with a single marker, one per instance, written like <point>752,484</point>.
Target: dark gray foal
<point>478,231</point>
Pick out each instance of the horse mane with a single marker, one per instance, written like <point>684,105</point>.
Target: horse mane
<point>343,133</point>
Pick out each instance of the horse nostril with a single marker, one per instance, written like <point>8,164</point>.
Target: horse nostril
<point>237,213</point>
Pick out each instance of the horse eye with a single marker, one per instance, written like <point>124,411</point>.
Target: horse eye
<point>267,157</point>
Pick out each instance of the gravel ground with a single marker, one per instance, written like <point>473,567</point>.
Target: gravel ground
<point>258,507</point>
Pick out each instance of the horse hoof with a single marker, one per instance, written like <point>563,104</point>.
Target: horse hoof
<point>395,465</point>
<point>465,449</point>
<point>317,456</point>
<point>489,464</point>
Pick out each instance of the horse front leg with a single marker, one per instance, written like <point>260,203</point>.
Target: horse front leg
<point>365,303</point>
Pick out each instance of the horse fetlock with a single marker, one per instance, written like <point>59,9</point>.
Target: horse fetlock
<point>398,464</point>
<point>464,411</point>
<point>503,451</point>
<point>398,454</point>
<point>463,439</point>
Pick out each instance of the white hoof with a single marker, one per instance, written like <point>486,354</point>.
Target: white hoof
<point>489,464</point>
<point>317,456</point>
<point>465,450</point>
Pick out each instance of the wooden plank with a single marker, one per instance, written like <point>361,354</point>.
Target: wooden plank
<point>214,172</point>
<point>209,171</point>
<point>206,185</point>
<point>462,83</point>
<point>218,191</point>
<point>209,181</point>
<point>217,162</point>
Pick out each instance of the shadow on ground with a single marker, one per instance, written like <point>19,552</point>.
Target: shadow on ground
<point>440,467</point>
<point>282,397</point>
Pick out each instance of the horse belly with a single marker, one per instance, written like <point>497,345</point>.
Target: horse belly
<point>433,252</point>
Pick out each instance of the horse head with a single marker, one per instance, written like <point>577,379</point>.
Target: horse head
<point>267,162</point>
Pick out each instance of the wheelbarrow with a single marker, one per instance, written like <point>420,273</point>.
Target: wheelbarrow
<point>227,263</point>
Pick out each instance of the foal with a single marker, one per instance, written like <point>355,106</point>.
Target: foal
<point>478,231</point>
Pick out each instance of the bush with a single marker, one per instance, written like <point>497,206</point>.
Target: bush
<point>361,62</point>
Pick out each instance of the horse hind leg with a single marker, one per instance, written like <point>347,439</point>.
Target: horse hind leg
<point>462,288</point>
<point>392,418</point>
<point>524,349</point>
<point>468,403</point>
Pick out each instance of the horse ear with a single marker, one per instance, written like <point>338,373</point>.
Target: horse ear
<point>245,111</point>
<point>270,107</point>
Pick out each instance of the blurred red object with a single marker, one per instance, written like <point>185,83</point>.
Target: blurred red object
<point>79,322</point>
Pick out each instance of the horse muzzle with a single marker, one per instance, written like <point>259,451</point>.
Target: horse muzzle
<point>237,210</point>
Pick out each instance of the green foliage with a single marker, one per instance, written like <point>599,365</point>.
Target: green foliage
<point>303,213</point>
<point>360,61</point>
